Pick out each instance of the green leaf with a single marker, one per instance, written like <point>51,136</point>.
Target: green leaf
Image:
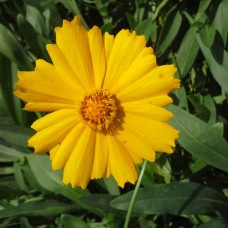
<point>204,4</point>
<point>174,198</point>
<point>131,20</point>
<point>214,223</point>
<point>144,28</point>
<point>200,139</point>
<point>187,52</point>
<point>217,59</point>
<point>73,7</point>
<point>13,50</point>
<point>207,35</point>
<point>10,154</point>
<point>15,135</point>
<point>43,208</point>
<point>99,201</point>
<point>169,31</point>
<point>29,34</point>
<point>221,20</point>
<point>36,19</point>
<point>71,221</point>
<point>52,180</point>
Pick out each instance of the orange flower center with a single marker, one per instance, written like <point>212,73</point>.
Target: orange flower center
<point>99,109</point>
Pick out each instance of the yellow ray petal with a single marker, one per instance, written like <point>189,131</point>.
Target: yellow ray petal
<point>49,137</point>
<point>72,39</point>
<point>53,118</point>
<point>158,82</point>
<point>66,147</point>
<point>121,164</point>
<point>125,49</point>
<point>65,72</point>
<point>161,135</point>
<point>78,168</point>
<point>100,157</point>
<point>147,110</point>
<point>47,106</point>
<point>34,83</point>
<point>136,143</point>
<point>108,40</point>
<point>53,151</point>
<point>140,66</point>
<point>97,51</point>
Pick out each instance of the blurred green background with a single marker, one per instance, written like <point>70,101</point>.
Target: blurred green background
<point>186,189</point>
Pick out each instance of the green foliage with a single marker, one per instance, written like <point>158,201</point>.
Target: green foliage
<point>186,189</point>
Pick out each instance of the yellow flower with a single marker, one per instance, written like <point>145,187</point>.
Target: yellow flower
<point>105,96</point>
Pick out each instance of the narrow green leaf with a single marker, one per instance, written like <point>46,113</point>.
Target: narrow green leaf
<point>214,223</point>
<point>29,34</point>
<point>207,35</point>
<point>174,198</point>
<point>15,135</point>
<point>204,4</point>
<point>217,59</point>
<point>144,28</point>
<point>169,31</point>
<point>73,7</point>
<point>221,20</point>
<point>52,180</point>
<point>200,139</point>
<point>100,202</point>
<point>36,19</point>
<point>13,50</point>
<point>43,208</point>
<point>187,52</point>
<point>131,20</point>
<point>72,221</point>
<point>10,154</point>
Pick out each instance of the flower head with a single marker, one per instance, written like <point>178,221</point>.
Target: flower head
<point>105,97</point>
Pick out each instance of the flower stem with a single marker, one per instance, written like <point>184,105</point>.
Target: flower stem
<point>134,195</point>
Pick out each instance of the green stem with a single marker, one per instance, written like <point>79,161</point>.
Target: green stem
<point>134,195</point>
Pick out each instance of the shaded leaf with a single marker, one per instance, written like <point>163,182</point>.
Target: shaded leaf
<point>13,50</point>
<point>10,154</point>
<point>200,139</point>
<point>43,208</point>
<point>52,180</point>
<point>36,19</point>
<point>174,198</point>
<point>169,31</point>
<point>187,52</point>
<point>217,59</point>
<point>15,134</point>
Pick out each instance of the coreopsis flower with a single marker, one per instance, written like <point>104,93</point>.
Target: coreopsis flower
<point>105,96</point>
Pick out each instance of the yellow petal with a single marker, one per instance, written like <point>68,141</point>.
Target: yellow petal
<point>108,40</point>
<point>53,151</point>
<point>121,165</point>
<point>72,39</point>
<point>160,135</point>
<point>140,66</point>
<point>97,51</point>
<point>125,49</point>
<point>78,168</point>
<point>54,118</point>
<point>33,83</point>
<point>136,143</point>
<point>158,82</point>
<point>65,73</point>
<point>100,157</point>
<point>51,135</point>
<point>147,110</point>
<point>66,147</point>
<point>47,106</point>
